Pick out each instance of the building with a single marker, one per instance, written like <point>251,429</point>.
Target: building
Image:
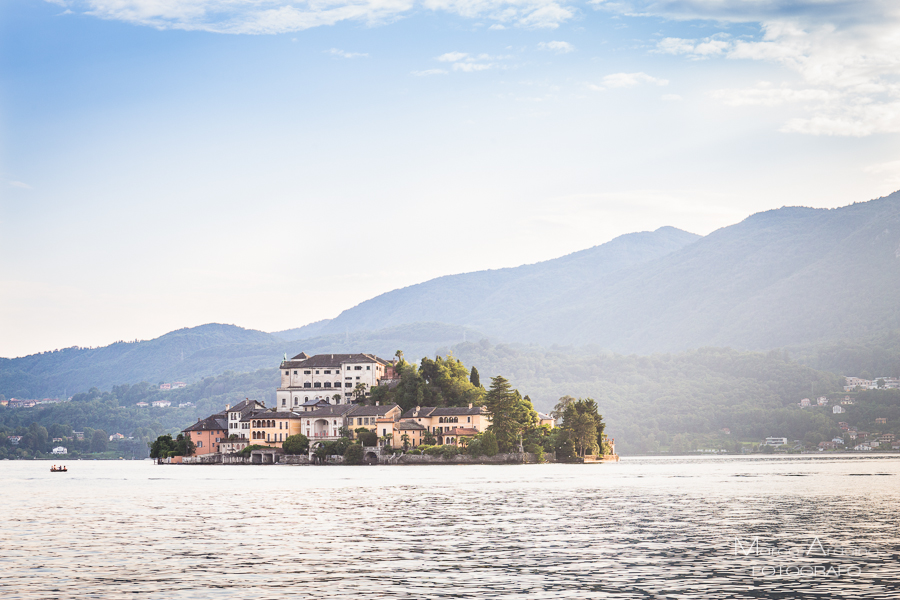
<point>60,450</point>
<point>237,426</point>
<point>232,445</point>
<point>14,439</point>
<point>408,434</point>
<point>14,403</point>
<point>338,378</point>
<point>178,385</point>
<point>439,421</point>
<point>116,436</point>
<point>864,447</point>
<point>161,403</point>
<point>821,400</point>
<point>165,386</point>
<point>545,419</point>
<point>838,410</point>
<point>826,446</point>
<point>141,404</point>
<point>208,433</point>
<point>775,441</point>
<point>272,428</point>
<point>369,417</point>
<point>804,402</point>
<point>881,420</point>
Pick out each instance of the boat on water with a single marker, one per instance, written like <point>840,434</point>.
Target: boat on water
<point>55,469</point>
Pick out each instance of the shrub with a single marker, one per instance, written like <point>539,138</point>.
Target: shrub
<point>448,452</point>
<point>353,455</point>
<point>246,451</point>
<point>296,444</point>
<point>415,451</point>
<point>489,444</point>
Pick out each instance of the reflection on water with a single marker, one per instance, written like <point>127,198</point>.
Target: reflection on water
<point>642,528</point>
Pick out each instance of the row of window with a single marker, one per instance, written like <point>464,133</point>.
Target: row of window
<point>328,371</point>
<point>327,384</point>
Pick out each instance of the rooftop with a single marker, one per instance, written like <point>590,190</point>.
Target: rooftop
<point>302,361</point>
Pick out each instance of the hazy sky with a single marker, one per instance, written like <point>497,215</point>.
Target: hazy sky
<point>268,163</point>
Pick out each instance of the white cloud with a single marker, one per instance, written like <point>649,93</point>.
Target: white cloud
<point>845,54</point>
<point>559,47</point>
<point>626,80</point>
<point>427,72</point>
<point>344,54</point>
<point>282,16</point>
<point>469,67</point>
<point>671,97</point>
<point>889,171</point>
<point>19,184</point>
<point>452,56</point>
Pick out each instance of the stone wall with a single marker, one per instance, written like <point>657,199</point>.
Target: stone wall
<point>465,459</point>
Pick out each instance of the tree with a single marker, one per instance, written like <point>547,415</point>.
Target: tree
<point>474,378</point>
<point>489,446</point>
<point>428,438</point>
<point>161,447</point>
<point>353,455</point>
<point>296,444</point>
<point>36,439</point>
<point>405,439</point>
<point>501,403</point>
<point>583,425</point>
<point>359,391</point>
<point>99,441</point>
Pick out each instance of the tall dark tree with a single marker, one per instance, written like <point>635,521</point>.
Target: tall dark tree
<point>474,379</point>
<point>501,403</point>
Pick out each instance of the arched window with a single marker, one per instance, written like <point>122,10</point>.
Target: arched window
<point>317,384</point>
<point>307,385</point>
<point>328,384</point>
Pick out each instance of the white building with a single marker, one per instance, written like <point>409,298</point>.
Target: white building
<point>60,450</point>
<point>332,377</point>
<point>161,403</point>
<point>235,413</point>
<point>775,441</point>
<point>821,400</point>
<point>837,409</point>
<point>804,403</point>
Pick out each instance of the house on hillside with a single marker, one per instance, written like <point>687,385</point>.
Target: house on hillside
<point>236,426</point>
<point>822,401</point>
<point>178,385</point>
<point>141,404</point>
<point>838,410</point>
<point>804,403</point>
<point>60,450</point>
<point>881,421</point>
<point>165,386</point>
<point>161,403</point>
<point>14,439</point>
<point>775,441</point>
<point>441,421</point>
<point>116,436</point>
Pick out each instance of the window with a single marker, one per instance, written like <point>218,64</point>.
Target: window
<point>368,368</point>
<point>348,384</point>
<point>317,384</point>
<point>200,444</point>
<point>317,371</point>
<point>287,372</point>
<point>327,371</point>
<point>295,401</point>
<point>307,372</point>
<point>328,384</point>
<point>357,368</point>
<point>284,401</point>
<point>307,385</point>
<point>295,372</point>
<point>468,419</point>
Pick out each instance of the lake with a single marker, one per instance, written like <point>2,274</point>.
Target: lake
<point>710,527</point>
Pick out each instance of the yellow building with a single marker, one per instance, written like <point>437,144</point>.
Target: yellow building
<point>440,421</point>
<point>271,428</point>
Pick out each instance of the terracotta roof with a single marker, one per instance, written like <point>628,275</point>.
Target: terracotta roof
<point>301,361</point>
<point>433,411</point>
<point>462,431</point>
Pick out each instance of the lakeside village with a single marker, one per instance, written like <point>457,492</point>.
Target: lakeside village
<point>347,409</point>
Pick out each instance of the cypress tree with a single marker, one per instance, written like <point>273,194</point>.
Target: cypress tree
<point>474,379</point>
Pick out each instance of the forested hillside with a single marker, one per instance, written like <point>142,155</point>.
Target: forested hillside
<point>491,300</point>
<point>189,355</point>
<point>786,277</point>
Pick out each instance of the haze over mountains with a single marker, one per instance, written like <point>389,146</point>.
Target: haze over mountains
<point>784,277</point>
<point>787,277</point>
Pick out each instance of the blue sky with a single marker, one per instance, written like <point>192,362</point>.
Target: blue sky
<point>166,163</point>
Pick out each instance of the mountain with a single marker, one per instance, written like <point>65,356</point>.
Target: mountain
<point>490,300</point>
<point>791,276</point>
<point>302,333</point>
<point>189,355</point>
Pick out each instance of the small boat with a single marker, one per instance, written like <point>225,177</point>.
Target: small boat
<point>58,469</point>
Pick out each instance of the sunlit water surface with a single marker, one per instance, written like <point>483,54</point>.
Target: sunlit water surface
<point>642,528</point>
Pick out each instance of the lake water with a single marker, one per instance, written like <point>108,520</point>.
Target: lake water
<point>825,527</point>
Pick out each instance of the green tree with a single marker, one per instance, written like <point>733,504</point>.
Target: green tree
<point>353,455</point>
<point>99,441</point>
<point>474,378</point>
<point>36,439</point>
<point>405,439</point>
<point>488,443</point>
<point>502,404</point>
<point>296,444</point>
<point>161,446</point>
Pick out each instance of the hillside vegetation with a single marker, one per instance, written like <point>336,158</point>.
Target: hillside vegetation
<point>786,277</point>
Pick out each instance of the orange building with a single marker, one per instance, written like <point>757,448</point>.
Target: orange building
<point>208,433</point>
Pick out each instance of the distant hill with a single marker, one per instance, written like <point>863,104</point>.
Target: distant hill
<point>191,354</point>
<point>791,276</point>
<point>492,300</point>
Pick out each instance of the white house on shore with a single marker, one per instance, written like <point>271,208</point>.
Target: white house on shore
<point>60,450</point>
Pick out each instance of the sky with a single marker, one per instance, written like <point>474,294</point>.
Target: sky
<point>270,163</point>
